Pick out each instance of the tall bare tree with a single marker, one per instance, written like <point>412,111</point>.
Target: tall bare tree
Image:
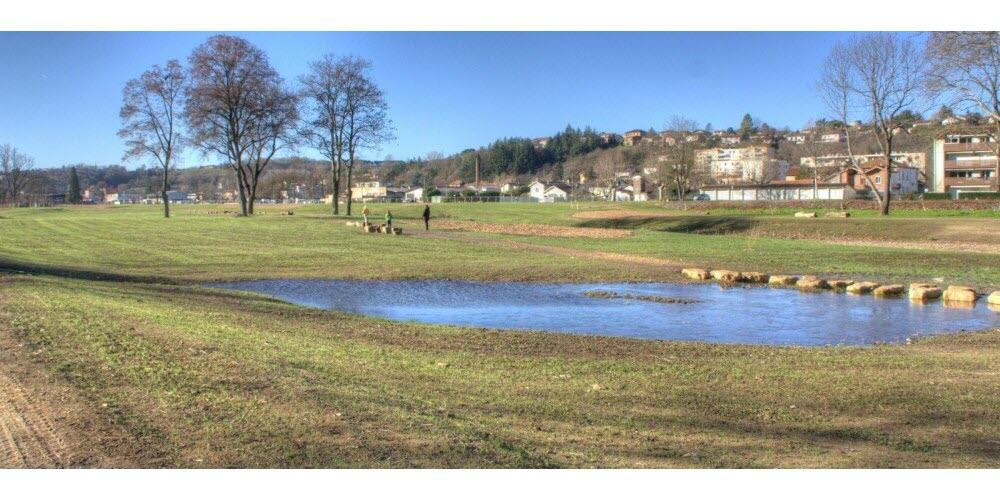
<point>239,109</point>
<point>151,119</point>
<point>366,123</point>
<point>887,72</point>
<point>837,87</point>
<point>323,90</point>
<point>15,173</point>
<point>963,67</point>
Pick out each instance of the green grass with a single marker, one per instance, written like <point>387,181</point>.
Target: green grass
<point>205,377</point>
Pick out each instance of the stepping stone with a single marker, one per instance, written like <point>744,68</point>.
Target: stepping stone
<point>811,283</point>
<point>755,277</point>
<point>782,280</point>
<point>696,274</point>
<point>994,298</point>
<point>889,291</point>
<point>862,287</point>
<point>841,283</point>
<point>924,291</point>
<point>956,293</point>
<point>727,276</point>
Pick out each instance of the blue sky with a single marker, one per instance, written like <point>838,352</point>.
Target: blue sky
<point>60,92</point>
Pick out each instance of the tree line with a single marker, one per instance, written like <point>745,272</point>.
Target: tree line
<point>231,104</point>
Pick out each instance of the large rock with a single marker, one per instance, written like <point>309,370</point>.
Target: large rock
<point>696,274</point>
<point>811,283</point>
<point>924,291</point>
<point>841,283</point>
<point>994,299</point>
<point>842,215</point>
<point>782,280</point>
<point>889,291</point>
<point>755,277</point>
<point>862,287</point>
<point>806,214</point>
<point>956,293</point>
<point>727,275</point>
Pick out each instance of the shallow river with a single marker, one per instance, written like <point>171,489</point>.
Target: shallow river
<point>749,315</point>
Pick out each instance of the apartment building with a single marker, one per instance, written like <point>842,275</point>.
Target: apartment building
<point>832,136</point>
<point>633,137</point>
<point>964,162</point>
<point>914,159</point>
<point>747,164</point>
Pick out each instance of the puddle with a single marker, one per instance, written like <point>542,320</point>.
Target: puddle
<point>697,312</point>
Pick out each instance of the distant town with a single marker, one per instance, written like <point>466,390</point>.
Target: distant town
<point>949,154</point>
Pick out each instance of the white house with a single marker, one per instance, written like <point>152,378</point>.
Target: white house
<point>557,191</point>
<point>536,190</point>
<point>414,195</point>
<point>833,136</point>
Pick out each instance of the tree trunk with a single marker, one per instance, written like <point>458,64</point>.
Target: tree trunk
<point>887,191</point>
<point>350,171</point>
<point>166,199</point>
<point>335,173</point>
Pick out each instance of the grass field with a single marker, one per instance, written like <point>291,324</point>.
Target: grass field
<point>105,301</point>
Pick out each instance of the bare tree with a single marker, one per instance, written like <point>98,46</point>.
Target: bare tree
<point>347,113</point>
<point>150,114</point>
<point>964,68</point>
<point>238,109</point>
<point>887,72</point>
<point>836,87</point>
<point>323,89</point>
<point>15,173</point>
<point>682,169</point>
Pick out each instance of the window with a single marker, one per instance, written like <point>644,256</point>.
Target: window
<point>878,179</point>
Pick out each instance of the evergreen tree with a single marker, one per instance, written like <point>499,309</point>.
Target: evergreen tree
<point>747,126</point>
<point>73,195</point>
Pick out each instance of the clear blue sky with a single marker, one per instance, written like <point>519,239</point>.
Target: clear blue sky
<point>60,92</point>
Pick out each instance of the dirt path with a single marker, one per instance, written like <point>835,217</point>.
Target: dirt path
<point>532,229</point>
<point>27,437</point>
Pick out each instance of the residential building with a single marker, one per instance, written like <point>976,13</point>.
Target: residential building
<point>964,162</point>
<point>536,190</point>
<point>904,179</point>
<point>797,137</point>
<point>508,188</point>
<point>911,158</point>
<point>729,139</point>
<point>747,164</point>
<point>414,195</point>
<point>540,142</point>
<point>831,136</point>
<point>633,137</point>
<point>557,191</point>
<point>122,198</point>
<point>376,191</point>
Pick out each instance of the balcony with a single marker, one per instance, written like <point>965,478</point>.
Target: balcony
<point>971,146</point>
<point>958,182</point>
<point>970,165</point>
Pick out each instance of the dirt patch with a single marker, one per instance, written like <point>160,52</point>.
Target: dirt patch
<point>532,229</point>
<point>45,422</point>
<point>947,246</point>
<point>613,214</point>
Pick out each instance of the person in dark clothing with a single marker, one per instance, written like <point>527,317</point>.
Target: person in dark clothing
<point>427,217</point>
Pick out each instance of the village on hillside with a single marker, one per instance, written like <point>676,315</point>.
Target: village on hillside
<point>948,156</point>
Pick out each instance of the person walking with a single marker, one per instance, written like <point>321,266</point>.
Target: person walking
<point>388,221</point>
<point>364,213</point>
<point>427,217</point>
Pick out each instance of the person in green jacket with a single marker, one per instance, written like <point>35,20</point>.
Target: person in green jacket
<point>388,221</point>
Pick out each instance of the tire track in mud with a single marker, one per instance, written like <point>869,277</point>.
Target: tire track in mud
<point>27,437</point>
